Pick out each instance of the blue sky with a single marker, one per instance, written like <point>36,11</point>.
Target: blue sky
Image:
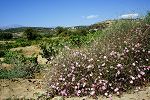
<point>48,13</point>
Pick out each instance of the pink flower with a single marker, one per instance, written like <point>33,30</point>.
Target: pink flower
<point>110,97</point>
<point>142,73</point>
<point>78,92</point>
<point>133,64</point>
<point>63,93</point>
<point>106,94</point>
<point>105,57</point>
<point>139,76</point>
<point>92,93</point>
<point>116,89</point>
<point>103,64</point>
<point>118,93</point>
<point>103,88</point>
<point>131,82</point>
<point>133,78</point>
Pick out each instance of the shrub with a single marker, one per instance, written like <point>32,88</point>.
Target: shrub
<point>114,63</point>
<point>2,53</point>
<point>76,40</point>
<point>50,48</point>
<point>22,67</point>
<point>147,18</point>
<point>5,36</point>
<point>31,34</point>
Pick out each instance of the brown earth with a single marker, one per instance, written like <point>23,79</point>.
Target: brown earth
<point>21,88</point>
<point>32,88</point>
<point>28,50</point>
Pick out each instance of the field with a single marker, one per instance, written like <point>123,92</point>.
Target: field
<point>106,60</point>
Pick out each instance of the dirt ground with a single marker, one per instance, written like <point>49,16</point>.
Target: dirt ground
<point>21,88</point>
<point>28,50</point>
<point>32,88</point>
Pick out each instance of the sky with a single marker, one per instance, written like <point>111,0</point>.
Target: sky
<point>49,13</point>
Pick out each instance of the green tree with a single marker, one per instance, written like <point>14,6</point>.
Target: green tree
<point>60,30</point>
<point>30,34</point>
<point>6,35</point>
<point>147,18</point>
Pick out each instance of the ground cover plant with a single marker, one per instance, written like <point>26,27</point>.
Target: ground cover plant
<point>21,66</point>
<point>114,63</point>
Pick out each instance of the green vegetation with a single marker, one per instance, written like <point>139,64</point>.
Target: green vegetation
<point>22,67</point>
<point>5,36</point>
<point>103,58</point>
<point>116,61</point>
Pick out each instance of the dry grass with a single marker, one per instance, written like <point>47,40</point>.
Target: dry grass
<point>28,50</point>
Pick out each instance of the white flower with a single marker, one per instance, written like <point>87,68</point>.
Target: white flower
<point>89,66</point>
<point>92,93</point>
<point>116,89</point>
<point>103,88</point>
<point>105,57</point>
<point>132,48</point>
<point>79,91</point>
<point>103,64</point>
<point>67,47</point>
<point>77,63</point>
<point>73,79</point>
<point>100,73</point>
<point>131,82</point>
<point>106,94</point>
<point>112,53</point>
<point>75,87</point>
<point>92,89</point>
<point>91,74</point>
<point>118,72</point>
<point>133,78</point>
<point>148,52</point>
<point>133,64</point>
<point>139,76</point>
<point>110,84</point>
<point>142,73</point>
<point>84,84</point>
<point>119,65</point>
<point>90,60</point>
<point>118,93</point>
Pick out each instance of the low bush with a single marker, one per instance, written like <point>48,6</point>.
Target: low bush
<point>115,62</point>
<point>22,67</point>
<point>5,36</point>
<point>50,48</point>
<point>2,53</point>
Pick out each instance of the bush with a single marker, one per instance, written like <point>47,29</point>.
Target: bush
<point>31,34</point>
<point>147,18</point>
<point>2,53</point>
<point>76,40</point>
<point>22,67</point>
<point>116,62</point>
<point>5,36</point>
<point>50,48</point>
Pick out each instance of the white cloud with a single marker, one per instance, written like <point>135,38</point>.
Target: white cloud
<point>91,17</point>
<point>131,15</point>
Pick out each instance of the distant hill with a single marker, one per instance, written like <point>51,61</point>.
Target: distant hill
<point>10,26</point>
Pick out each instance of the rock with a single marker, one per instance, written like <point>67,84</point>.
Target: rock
<point>58,98</point>
<point>2,59</point>
<point>41,60</point>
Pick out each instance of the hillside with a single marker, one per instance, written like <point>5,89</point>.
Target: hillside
<point>107,60</point>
